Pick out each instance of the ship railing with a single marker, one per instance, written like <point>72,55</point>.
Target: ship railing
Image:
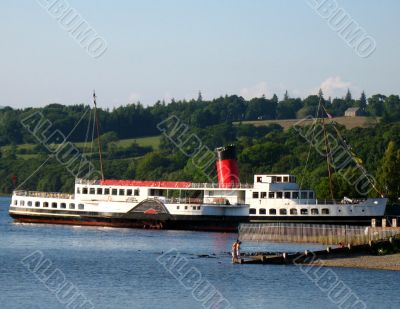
<point>177,200</point>
<point>339,202</point>
<point>217,186</point>
<point>89,182</point>
<point>44,194</point>
<point>191,200</point>
<point>223,201</point>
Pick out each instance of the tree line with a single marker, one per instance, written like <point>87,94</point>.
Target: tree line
<point>261,149</point>
<point>135,120</point>
<point>264,149</point>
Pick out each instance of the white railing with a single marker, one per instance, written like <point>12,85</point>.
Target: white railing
<point>182,200</point>
<point>88,182</point>
<point>44,194</point>
<point>217,186</point>
<point>204,185</point>
<point>340,202</point>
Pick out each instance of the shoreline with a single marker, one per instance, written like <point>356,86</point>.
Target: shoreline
<point>362,261</point>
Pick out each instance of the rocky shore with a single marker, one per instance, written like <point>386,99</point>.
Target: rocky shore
<point>385,262</point>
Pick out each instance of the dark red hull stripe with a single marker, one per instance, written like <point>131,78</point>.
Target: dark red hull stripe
<point>196,225</point>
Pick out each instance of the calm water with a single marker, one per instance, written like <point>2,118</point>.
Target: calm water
<point>118,268</point>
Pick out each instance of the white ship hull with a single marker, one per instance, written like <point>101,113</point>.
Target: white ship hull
<point>171,205</point>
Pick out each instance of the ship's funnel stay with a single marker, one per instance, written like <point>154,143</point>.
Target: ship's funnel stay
<point>227,168</point>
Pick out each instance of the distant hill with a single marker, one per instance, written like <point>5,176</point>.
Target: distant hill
<point>348,122</point>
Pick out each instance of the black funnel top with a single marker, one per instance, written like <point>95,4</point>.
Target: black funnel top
<point>226,153</point>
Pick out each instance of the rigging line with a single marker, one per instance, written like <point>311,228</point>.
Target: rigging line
<point>92,141</point>
<point>327,148</point>
<point>360,166</point>
<point>327,158</point>
<point>87,132</point>
<point>98,135</point>
<point>30,176</point>
<point>50,156</point>
<point>311,144</point>
<point>79,121</point>
<point>86,141</point>
<point>305,167</point>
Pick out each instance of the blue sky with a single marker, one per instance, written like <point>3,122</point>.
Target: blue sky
<point>174,48</point>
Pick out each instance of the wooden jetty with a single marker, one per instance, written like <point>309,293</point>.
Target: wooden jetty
<point>308,257</point>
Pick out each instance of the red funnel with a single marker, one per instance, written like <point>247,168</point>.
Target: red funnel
<point>227,168</point>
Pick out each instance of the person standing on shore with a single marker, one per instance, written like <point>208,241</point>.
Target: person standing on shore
<point>234,251</point>
<point>238,243</point>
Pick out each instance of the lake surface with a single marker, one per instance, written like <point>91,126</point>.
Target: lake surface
<point>123,268</point>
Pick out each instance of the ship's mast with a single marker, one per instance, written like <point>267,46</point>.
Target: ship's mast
<point>321,118</point>
<point>98,135</point>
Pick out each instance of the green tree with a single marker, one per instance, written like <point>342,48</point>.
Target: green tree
<point>200,97</point>
<point>320,94</point>
<point>376,105</point>
<point>286,96</point>
<point>348,97</point>
<point>392,108</point>
<point>362,102</point>
<point>388,175</point>
<point>274,99</point>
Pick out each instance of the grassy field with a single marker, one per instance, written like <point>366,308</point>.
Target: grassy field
<point>348,122</point>
<point>153,141</point>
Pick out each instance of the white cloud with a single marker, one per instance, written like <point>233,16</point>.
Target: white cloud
<point>256,91</point>
<point>134,97</point>
<point>334,86</point>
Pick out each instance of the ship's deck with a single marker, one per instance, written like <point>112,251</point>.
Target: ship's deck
<point>160,184</point>
<point>44,194</point>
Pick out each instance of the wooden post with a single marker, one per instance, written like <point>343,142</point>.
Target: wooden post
<point>263,258</point>
<point>328,249</point>
<point>284,255</point>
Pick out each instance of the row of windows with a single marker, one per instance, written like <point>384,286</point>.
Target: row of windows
<point>193,207</point>
<point>279,179</point>
<point>286,194</point>
<point>293,211</point>
<point>48,205</point>
<point>106,191</point>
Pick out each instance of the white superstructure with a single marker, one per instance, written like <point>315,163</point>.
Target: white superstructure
<point>124,203</point>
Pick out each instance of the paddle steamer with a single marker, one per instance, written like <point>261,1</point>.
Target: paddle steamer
<point>191,206</point>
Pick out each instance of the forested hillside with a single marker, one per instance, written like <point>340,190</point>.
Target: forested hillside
<point>262,149</point>
<point>135,120</point>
